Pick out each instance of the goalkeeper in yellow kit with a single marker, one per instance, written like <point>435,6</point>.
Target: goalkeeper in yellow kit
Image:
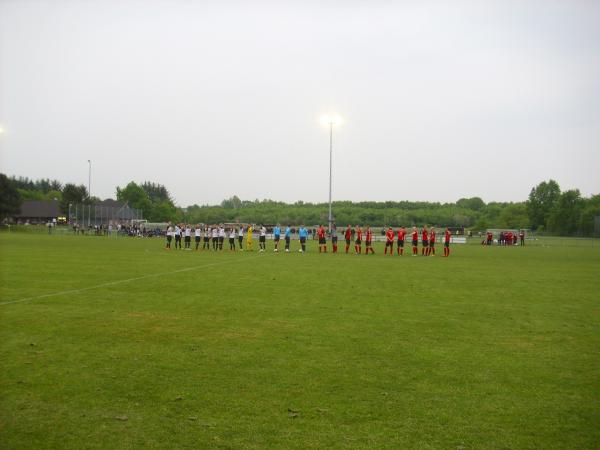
<point>249,238</point>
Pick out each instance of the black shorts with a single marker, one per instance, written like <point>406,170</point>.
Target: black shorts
<point>446,244</point>
<point>358,242</point>
<point>287,240</point>
<point>334,240</point>
<point>276,238</point>
<point>197,238</point>
<point>303,240</point>
<point>221,238</point>
<point>232,240</point>
<point>177,237</point>
<point>389,243</point>
<point>415,243</point>
<point>425,243</point>
<point>240,238</point>
<point>322,241</point>
<point>431,244</point>
<point>368,243</point>
<point>169,237</point>
<point>215,239</point>
<point>206,238</point>
<point>262,238</point>
<point>348,241</point>
<point>401,244</point>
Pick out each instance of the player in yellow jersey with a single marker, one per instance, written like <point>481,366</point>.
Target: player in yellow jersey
<point>249,238</point>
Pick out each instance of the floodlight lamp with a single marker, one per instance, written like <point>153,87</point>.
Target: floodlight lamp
<point>330,119</point>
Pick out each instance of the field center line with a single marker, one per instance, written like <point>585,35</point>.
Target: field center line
<point>128,280</point>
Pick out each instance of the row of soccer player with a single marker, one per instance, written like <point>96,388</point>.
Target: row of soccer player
<point>216,236</point>
<point>428,240</point>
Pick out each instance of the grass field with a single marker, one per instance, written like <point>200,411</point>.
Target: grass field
<point>490,348</point>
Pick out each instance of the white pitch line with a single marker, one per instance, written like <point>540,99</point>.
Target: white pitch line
<point>128,280</point>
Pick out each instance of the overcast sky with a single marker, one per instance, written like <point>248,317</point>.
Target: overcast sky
<point>440,99</point>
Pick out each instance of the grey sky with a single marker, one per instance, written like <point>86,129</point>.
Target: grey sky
<point>440,100</point>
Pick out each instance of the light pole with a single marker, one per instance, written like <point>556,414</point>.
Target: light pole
<point>89,188</point>
<point>89,178</point>
<point>330,120</point>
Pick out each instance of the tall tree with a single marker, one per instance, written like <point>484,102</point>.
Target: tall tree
<point>73,194</point>
<point>566,213</point>
<point>156,192</point>
<point>10,199</point>
<point>542,200</point>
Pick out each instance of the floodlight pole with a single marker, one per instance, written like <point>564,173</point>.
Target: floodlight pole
<point>90,186</point>
<point>330,168</point>
<point>90,179</point>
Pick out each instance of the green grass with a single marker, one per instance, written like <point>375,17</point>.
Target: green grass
<point>491,348</point>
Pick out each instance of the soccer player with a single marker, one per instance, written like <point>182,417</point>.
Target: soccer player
<point>369,241</point>
<point>288,237</point>
<point>197,235</point>
<point>401,237</point>
<point>358,241</point>
<point>447,236</point>
<point>249,239</point>
<point>334,238</point>
<point>389,241</point>
<point>188,237</point>
<point>262,238</point>
<point>322,239</point>
<point>276,237</point>
<point>241,237</point>
<point>522,237</point>
<point>232,240</point>
<point>177,236</point>
<point>222,234</point>
<point>415,241</point>
<point>431,249</point>
<point>206,238</point>
<point>303,234</point>
<point>424,240</point>
<point>169,237</point>
<point>348,237</point>
<point>215,237</point>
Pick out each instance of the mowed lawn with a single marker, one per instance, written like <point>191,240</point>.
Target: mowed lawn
<point>490,348</point>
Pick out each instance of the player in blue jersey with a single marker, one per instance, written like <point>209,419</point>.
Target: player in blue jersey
<point>303,234</point>
<point>276,237</point>
<point>288,238</point>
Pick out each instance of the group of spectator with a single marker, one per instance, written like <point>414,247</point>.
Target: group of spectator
<point>505,238</point>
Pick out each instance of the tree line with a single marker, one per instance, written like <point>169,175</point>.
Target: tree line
<point>547,208</point>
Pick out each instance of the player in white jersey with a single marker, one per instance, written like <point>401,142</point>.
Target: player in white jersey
<point>197,236</point>
<point>206,238</point>
<point>222,234</point>
<point>215,238</point>
<point>188,237</point>
<point>169,237</point>
<point>232,239</point>
<point>177,236</point>
<point>241,237</point>
<point>262,238</point>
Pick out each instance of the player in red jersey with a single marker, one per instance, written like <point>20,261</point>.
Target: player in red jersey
<point>369,241</point>
<point>358,241</point>
<point>431,249</point>
<point>415,241</point>
<point>424,240</point>
<point>401,236</point>
<point>348,237</point>
<point>322,239</point>
<point>389,241</point>
<point>447,236</point>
